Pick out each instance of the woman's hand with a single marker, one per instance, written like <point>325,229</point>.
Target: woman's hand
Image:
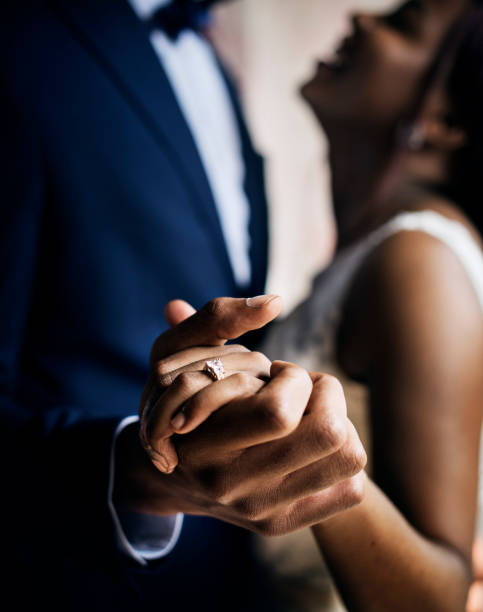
<point>181,395</point>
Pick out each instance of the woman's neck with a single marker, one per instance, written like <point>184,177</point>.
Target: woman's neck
<point>360,162</point>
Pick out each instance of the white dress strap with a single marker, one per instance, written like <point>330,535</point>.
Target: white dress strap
<point>450,232</point>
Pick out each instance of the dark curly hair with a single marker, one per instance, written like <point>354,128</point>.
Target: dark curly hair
<point>457,67</point>
<point>464,87</point>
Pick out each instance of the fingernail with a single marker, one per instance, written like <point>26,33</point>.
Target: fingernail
<point>260,300</point>
<point>159,459</point>
<point>162,464</point>
<point>178,421</point>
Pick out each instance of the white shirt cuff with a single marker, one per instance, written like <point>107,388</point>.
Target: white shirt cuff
<point>144,537</point>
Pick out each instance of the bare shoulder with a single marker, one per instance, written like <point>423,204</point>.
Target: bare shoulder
<point>447,208</point>
<point>412,330</point>
<point>422,267</point>
<point>411,295</point>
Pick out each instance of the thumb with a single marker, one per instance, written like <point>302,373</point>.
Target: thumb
<point>177,311</point>
<point>220,320</point>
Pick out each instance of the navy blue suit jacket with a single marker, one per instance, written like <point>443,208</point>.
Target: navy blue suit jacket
<point>106,214</point>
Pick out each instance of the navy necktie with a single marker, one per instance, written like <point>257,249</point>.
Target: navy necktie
<point>181,15</point>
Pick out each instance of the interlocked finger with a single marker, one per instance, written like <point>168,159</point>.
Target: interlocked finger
<point>272,413</point>
<point>323,474</point>
<point>323,430</point>
<point>183,359</point>
<point>190,400</point>
<point>253,363</point>
<point>155,427</point>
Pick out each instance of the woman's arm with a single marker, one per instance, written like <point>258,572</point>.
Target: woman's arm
<point>413,329</point>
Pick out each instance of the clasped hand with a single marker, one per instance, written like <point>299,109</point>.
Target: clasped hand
<point>268,448</point>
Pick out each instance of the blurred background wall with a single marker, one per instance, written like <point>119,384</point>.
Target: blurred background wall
<point>271,47</point>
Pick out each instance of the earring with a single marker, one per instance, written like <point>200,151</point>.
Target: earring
<point>410,136</point>
<point>415,138</point>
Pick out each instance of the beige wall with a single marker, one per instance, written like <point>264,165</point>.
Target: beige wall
<point>272,46</point>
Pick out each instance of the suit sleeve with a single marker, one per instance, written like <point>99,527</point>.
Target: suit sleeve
<point>55,459</point>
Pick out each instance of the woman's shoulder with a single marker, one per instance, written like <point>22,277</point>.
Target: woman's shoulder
<point>424,275</point>
<point>412,260</point>
<point>431,244</point>
<point>424,247</point>
<point>437,206</point>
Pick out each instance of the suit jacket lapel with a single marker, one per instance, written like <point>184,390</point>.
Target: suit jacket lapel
<point>114,34</point>
<point>254,185</point>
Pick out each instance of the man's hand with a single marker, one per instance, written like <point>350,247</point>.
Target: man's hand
<point>274,462</point>
<point>218,321</point>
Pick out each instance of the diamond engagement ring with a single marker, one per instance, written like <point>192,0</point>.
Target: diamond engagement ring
<point>215,369</point>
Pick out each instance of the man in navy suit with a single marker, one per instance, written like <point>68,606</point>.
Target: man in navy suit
<point>116,199</point>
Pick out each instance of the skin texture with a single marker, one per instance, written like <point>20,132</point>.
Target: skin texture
<point>411,330</point>
<point>417,340</point>
<point>279,455</point>
<point>383,60</point>
<point>475,597</point>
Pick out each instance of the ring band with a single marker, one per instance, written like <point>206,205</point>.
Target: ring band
<point>215,369</point>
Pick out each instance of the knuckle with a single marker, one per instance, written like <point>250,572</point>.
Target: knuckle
<point>261,359</point>
<point>163,367</point>
<point>213,315</point>
<point>243,380</point>
<point>165,379</point>
<point>298,372</point>
<point>316,377</point>
<point>359,457</point>
<point>329,435</point>
<point>303,374</point>
<point>354,491</point>
<point>185,383</point>
<point>334,432</point>
<point>260,364</point>
<point>350,464</point>
<point>213,308</point>
<point>335,393</point>
<point>333,384</point>
<point>235,348</point>
<point>278,416</point>
<point>354,457</point>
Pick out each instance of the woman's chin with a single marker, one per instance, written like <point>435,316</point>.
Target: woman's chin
<point>322,93</point>
<point>311,94</point>
<point>315,103</point>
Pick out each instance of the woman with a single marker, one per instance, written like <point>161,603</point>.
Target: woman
<point>400,308</point>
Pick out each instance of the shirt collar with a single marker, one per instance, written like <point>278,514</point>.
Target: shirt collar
<point>145,8</point>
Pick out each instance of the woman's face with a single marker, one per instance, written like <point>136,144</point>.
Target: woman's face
<point>375,75</point>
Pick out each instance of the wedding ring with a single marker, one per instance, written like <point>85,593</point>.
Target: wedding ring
<point>215,369</point>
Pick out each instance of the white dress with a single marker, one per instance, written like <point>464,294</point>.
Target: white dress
<point>307,337</point>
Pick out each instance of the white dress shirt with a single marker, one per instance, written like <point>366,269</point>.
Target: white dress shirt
<point>144,537</point>
<point>203,97</point>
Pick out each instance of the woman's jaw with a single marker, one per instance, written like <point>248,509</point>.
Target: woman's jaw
<point>362,93</point>
<point>375,72</point>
